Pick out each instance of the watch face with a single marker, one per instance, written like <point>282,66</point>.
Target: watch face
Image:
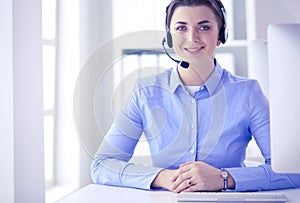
<point>224,174</point>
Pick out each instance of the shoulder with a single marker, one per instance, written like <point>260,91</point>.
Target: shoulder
<point>159,79</point>
<point>242,86</point>
<point>235,80</point>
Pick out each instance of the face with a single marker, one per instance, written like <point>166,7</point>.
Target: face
<point>195,33</point>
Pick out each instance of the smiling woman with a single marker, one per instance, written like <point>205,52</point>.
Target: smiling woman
<point>195,34</point>
<point>197,29</point>
<point>197,140</point>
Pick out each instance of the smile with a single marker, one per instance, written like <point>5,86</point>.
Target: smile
<point>194,50</point>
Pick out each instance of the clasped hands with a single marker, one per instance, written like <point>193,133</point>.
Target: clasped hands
<point>192,176</point>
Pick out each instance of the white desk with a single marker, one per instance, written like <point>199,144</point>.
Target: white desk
<point>100,193</point>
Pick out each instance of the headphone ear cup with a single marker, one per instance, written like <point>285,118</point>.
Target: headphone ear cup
<point>222,35</point>
<point>169,39</point>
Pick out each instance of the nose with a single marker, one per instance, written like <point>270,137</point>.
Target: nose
<point>193,35</point>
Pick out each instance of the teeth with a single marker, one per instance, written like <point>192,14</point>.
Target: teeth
<point>194,49</point>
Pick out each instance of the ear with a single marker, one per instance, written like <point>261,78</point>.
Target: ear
<point>218,42</point>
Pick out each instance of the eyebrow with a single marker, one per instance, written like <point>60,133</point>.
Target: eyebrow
<point>199,23</point>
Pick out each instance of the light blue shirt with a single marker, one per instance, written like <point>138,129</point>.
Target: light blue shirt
<point>214,125</point>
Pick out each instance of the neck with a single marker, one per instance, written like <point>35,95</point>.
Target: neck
<point>195,76</point>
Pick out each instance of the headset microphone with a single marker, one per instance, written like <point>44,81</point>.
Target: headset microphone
<point>184,64</point>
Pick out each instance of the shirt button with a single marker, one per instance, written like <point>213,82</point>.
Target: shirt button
<point>193,101</point>
<point>202,88</point>
<point>192,125</point>
<point>192,151</point>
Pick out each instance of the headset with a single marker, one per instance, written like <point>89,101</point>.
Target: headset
<point>223,33</point>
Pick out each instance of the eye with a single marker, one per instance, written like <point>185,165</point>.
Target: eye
<point>181,28</point>
<point>204,28</point>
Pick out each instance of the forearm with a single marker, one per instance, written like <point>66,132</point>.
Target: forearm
<point>163,179</point>
<point>120,173</point>
<point>262,178</point>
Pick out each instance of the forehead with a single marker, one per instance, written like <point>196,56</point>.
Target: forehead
<point>193,14</point>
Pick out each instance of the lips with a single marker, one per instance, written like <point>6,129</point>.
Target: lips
<point>194,50</point>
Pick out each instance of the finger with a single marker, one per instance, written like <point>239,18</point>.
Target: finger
<point>192,188</point>
<point>182,179</point>
<point>179,172</point>
<point>175,176</point>
<point>186,164</point>
<point>183,186</point>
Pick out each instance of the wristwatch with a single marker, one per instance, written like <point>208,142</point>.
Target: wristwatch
<point>224,174</point>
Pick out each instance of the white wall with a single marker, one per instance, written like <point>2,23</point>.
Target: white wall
<point>260,14</point>
<point>278,11</point>
<point>21,117</point>
<point>265,12</point>
<point>6,104</point>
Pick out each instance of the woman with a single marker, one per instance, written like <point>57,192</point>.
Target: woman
<point>198,120</point>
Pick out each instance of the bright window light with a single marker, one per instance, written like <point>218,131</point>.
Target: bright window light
<point>49,53</point>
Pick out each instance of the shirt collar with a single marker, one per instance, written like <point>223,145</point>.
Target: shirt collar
<point>214,79</point>
<point>211,84</point>
<point>175,80</point>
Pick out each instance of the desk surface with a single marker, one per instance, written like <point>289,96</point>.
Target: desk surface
<point>100,193</point>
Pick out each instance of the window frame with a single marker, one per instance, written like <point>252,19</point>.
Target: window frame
<point>49,39</point>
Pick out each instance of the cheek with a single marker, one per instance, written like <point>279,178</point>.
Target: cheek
<point>177,39</point>
<point>213,41</point>
<point>212,38</point>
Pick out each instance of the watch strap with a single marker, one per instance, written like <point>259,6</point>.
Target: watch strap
<point>224,174</point>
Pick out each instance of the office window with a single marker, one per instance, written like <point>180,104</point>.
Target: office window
<point>49,78</point>
<point>61,68</point>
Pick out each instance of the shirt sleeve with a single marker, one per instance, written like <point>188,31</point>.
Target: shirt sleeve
<point>111,164</point>
<point>261,177</point>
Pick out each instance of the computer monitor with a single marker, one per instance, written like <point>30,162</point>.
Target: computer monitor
<point>284,95</point>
